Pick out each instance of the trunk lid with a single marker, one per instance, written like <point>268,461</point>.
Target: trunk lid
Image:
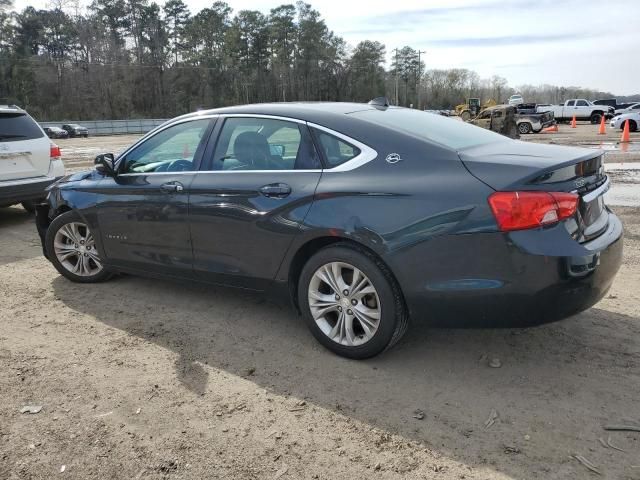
<point>522,166</point>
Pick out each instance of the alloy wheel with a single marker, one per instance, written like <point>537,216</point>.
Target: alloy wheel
<point>75,249</point>
<point>344,304</point>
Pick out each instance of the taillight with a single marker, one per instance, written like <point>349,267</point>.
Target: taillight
<point>522,210</point>
<point>54,152</point>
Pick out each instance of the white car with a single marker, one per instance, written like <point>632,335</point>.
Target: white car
<point>29,162</point>
<point>635,108</point>
<point>633,118</point>
<point>515,100</point>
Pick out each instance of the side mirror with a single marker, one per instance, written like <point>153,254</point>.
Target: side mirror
<point>105,163</point>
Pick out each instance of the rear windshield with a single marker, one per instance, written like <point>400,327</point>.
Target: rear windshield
<point>18,126</point>
<point>450,132</point>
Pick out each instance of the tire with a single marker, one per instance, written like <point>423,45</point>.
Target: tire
<point>383,299</point>
<point>466,116</point>
<point>82,263</point>
<point>633,126</point>
<point>29,206</point>
<point>524,128</point>
<point>595,118</point>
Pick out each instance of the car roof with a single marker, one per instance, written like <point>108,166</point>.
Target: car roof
<point>309,111</point>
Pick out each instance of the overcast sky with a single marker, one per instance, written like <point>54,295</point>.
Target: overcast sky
<point>589,43</point>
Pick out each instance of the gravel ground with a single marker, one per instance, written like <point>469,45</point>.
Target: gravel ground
<point>140,378</point>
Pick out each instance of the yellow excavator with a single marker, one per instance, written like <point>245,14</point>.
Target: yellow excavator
<point>472,108</point>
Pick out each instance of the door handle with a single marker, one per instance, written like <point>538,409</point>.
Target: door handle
<point>172,187</point>
<point>275,190</point>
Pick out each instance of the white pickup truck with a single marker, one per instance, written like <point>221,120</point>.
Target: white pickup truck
<point>581,108</point>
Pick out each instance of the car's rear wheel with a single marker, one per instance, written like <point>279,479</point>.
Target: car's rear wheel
<point>524,128</point>
<point>350,302</point>
<point>633,126</point>
<point>71,247</point>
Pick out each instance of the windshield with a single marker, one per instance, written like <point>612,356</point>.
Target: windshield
<point>450,132</point>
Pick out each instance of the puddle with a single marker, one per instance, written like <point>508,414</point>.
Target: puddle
<point>611,146</point>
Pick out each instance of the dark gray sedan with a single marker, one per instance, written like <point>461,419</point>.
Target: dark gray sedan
<point>363,216</point>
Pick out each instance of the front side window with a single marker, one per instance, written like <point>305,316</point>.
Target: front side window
<point>247,143</point>
<point>171,150</point>
<point>335,151</point>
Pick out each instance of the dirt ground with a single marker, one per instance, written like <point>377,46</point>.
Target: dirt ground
<point>146,379</point>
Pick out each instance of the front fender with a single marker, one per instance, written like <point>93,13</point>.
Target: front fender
<point>78,193</point>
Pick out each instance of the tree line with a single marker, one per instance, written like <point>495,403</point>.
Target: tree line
<point>137,58</point>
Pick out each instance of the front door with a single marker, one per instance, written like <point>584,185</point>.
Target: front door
<point>143,215</point>
<point>246,208</point>
<point>582,109</point>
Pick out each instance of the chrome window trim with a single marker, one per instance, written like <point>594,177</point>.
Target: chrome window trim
<point>262,115</point>
<point>366,155</point>
<point>222,171</point>
<point>366,152</point>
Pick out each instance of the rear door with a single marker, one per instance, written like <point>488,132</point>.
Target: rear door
<point>24,148</point>
<point>246,206</point>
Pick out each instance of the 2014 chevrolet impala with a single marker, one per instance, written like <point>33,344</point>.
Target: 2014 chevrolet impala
<point>364,215</point>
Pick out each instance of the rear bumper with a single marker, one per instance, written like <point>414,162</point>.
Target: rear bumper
<point>506,280</point>
<point>20,191</point>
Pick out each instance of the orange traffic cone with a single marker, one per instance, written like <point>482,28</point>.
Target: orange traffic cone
<point>625,133</point>
<point>573,122</point>
<point>603,129</point>
<point>551,129</point>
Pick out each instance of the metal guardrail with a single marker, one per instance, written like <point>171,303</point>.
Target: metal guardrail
<point>113,127</point>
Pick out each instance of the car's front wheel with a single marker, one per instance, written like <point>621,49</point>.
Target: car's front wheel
<point>71,247</point>
<point>350,302</point>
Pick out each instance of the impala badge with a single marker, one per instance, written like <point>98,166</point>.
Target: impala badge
<point>393,158</point>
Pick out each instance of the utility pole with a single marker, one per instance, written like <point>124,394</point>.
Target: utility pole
<point>419,75</point>
<point>396,50</point>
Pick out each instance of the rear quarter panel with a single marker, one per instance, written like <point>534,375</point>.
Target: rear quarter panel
<point>392,208</point>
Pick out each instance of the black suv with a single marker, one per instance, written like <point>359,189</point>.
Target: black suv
<point>75,130</point>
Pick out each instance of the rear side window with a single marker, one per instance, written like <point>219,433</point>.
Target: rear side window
<point>334,150</point>
<point>428,126</point>
<point>571,103</point>
<point>15,127</point>
<point>259,144</point>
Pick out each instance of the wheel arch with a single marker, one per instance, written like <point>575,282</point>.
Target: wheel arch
<point>305,251</point>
